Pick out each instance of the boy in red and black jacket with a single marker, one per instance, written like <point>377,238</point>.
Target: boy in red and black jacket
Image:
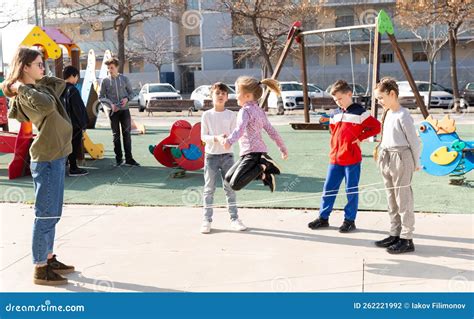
<point>349,125</point>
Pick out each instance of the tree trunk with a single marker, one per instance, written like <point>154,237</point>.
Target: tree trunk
<point>454,73</point>
<point>158,67</point>
<point>430,89</point>
<point>121,45</point>
<point>262,48</point>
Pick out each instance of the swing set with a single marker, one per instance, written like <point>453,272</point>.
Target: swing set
<point>443,153</point>
<point>382,25</point>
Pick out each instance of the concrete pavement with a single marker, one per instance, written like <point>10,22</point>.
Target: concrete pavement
<point>160,249</point>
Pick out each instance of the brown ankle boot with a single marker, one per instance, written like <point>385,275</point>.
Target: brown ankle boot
<point>60,268</point>
<point>45,275</point>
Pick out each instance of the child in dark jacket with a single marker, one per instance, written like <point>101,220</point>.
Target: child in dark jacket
<point>76,110</point>
<point>349,125</point>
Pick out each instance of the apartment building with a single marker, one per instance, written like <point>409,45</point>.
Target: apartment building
<point>204,50</point>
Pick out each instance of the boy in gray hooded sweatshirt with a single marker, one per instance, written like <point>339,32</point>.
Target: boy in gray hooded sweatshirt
<point>115,92</point>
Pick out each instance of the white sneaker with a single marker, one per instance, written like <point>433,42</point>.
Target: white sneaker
<point>237,224</point>
<point>206,227</point>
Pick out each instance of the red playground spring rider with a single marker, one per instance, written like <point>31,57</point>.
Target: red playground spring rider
<point>15,143</point>
<point>182,149</point>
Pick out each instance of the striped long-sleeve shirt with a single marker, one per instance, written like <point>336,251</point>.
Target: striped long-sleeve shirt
<point>251,119</point>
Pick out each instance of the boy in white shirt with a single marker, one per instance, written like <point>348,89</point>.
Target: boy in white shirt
<point>216,124</point>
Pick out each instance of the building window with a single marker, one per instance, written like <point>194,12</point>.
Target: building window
<point>344,21</point>
<point>134,31</point>
<point>343,57</point>
<point>311,23</point>
<point>386,58</point>
<point>193,41</point>
<point>419,55</point>
<point>135,66</point>
<point>84,29</point>
<point>192,4</point>
<point>241,61</point>
<point>312,56</point>
<point>109,32</point>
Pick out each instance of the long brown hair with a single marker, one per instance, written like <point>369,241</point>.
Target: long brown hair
<point>23,57</point>
<point>249,84</point>
<point>386,84</point>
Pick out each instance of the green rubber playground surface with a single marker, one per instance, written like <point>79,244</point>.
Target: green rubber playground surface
<point>299,186</point>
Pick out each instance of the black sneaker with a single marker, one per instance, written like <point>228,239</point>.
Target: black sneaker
<point>131,162</point>
<point>269,181</point>
<point>319,223</point>
<point>401,246</point>
<point>118,163</point>
<point>78,172</point>
<point>387,242</point>
<point>45,275</point>
<point>347,226</point>
<point>271,166</point>
<point>60,268</point>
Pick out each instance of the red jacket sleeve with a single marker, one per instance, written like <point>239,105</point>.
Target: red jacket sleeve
<point>370,127</point>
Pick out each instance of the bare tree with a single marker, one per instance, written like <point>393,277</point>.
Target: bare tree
<point>262,25</point>
<point>422,22</point>
<point>153,49</point>
<point>10,15</point>
<point>450,13</point>
<point>124,13</point>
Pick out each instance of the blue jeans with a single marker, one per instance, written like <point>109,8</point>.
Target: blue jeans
<point>218,165</point>
<point>336,173</point>
<point>48,181</point>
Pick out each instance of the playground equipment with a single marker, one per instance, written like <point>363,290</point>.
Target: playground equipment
<point>444,152</point>
<point>382,25</point>
<point>96,151</point>
<point>18,144</point>
<point>182,149</point>
<point>3,108</point>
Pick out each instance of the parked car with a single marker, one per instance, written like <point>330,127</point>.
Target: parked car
<point>463,94</point>
<point>316,91</point>
<point>203,93</point>
<point>449,90</point>
<point>134,101</point>
<point>157,91</point>
<point>357,89</point>
<point>359,94</point>
<point>291,94</point>
<point>439,97</point>
<point>232,86</point>
<point>467,94</point>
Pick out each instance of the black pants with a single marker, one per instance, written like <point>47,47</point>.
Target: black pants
<point>245,170</point>
<point>122,119</point>
<point>76,148</point>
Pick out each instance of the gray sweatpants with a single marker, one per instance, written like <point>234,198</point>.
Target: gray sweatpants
<point>397,167</point>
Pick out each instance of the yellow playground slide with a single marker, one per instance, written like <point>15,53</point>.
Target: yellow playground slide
<point>96,151</point>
